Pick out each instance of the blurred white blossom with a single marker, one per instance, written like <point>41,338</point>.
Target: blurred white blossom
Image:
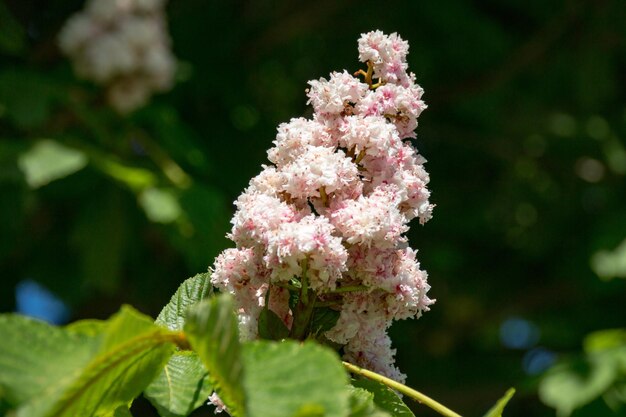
<point>123,45</point>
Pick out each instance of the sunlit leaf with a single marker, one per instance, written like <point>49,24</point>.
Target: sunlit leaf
<point>36,357</point>
<point>48,160</point>
<point>59,372</point>
<point>572,384</point>
<point>181,387</point>
<point>183,384</point>
<point>605,339</point>
<point>190,292</point>
<point>160,205</point>
<point>319,385</point>
<point>211,328</point>
<point>498,409</point>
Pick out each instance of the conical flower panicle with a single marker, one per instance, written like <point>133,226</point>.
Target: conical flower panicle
<point>327,220</point>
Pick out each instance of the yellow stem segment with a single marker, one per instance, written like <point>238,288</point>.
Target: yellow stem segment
<point>416,395</point>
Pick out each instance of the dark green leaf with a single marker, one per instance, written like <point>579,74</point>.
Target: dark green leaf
<point>211,328</point>
<point>384,397</point>
<point>271,327</point>
<point>323,320</point>
<point>498,409</point>
<point>288,378</point>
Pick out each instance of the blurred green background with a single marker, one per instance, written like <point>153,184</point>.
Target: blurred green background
<point>525,135</point>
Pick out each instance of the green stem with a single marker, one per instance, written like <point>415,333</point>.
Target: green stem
<point>347,288</point>
<point>304,296</point>
<point>304,309</point>
<point>416,395</point>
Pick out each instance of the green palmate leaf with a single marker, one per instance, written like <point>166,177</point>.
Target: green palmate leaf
<point>384,398</point>
<point>183,384</point>
<point>108,372</point>
<point>290,378</point>
<point>362,404</point>
<point>181,387</point>
<point>271,327</point>
<point>36,357</point>
<point>48,160</point>
<point>211,328</point>
<point>190,292</point>
<point>498,409</point>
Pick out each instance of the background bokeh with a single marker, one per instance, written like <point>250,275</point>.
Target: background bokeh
<point>525,135</point>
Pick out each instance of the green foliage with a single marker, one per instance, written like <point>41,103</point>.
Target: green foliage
<point>362,404</point>
<point>211,328</point>
<point>271,327</point>
<point>189,293</point>
<point>498,409</point>
<point>48,371</point>
<point>384,398</point>
<point>265,378</point>
<point>181,387</point>
<point>273,391</point>
<point>526,98</point>
<point>160,205</point>
<point>48,160</point>
<point>183,384</point>
<point>600,372</point>
<point>37,358</point>
<point>323,319</point>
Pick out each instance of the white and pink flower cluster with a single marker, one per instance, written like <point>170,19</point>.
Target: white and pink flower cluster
<point>124,45</point>
<point>332,210</point>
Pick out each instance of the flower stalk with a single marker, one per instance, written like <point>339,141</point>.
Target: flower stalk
<point>403,389</point>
